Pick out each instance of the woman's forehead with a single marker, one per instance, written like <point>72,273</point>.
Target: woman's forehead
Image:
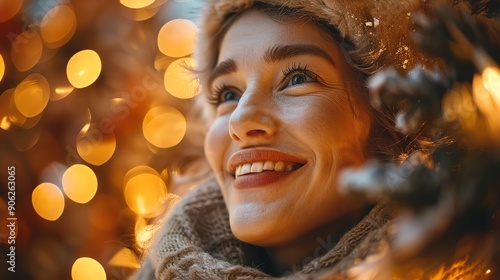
<point>255,34</point>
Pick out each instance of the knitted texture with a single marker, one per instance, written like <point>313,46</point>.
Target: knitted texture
<point>196,242</point>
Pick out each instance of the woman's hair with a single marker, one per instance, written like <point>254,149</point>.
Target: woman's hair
<point>384,142</point>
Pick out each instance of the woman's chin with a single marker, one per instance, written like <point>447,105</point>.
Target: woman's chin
<point>246,223</point>
<point>256,229</point>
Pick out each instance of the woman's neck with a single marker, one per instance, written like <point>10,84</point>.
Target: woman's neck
<point>295,254</point>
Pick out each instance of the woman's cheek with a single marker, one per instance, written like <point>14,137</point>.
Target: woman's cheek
<point>217,142</point>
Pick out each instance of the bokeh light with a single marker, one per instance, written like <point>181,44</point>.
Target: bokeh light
<point>136,4</point>
<point>14,115</point>
<point>5,99</point>
<point>179,80</point>
<point>486,95</point>
<point>84,68</point>
<point>125,258</point>
<point>79,183</point>
<point>144,191</point>
<point>177,38</point>
<point>87,269</point>
<point>48,201</point>
<point>164,126</point>
<point>2,67</point>
<point>58,26</point>
<point>143,233</point>
<point>9,8</point>
<point>82,103</point>
<point>95,146</point>
<point>142,13</point>
<point>60,92</point>
<point>491,78</point>
<point>26,50</point>
<point>32,95</point>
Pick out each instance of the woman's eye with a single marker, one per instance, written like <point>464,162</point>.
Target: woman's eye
<point>229,96</point>
<point>301,77</point>
<point>298,79</point>
<point>223,94</point>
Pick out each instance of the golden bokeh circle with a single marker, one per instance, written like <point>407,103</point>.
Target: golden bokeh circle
<point>9,8</point>
<point>83,68</point>
<point>95,146</point>
<point>26,50</point>
<point>164,126</point>
<point>58,26</point>
<point>136,4</point>
<point>32,95</point>
<point>179,80</point>
<point>79,183</point>
<point>87,269</point>
<point>48,201</point>
<point>177,38</point>
<point>144,191</point>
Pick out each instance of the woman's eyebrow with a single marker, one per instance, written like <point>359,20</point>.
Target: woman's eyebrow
<point>225,67</point>
<point>273,54</point>
<point>280,52</point>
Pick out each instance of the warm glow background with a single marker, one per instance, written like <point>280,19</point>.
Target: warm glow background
<point>95,116</point>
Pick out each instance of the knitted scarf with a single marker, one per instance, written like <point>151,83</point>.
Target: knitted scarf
<point>196,242</point>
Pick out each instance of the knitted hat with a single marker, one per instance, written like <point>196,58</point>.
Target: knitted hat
<point>381,30</point>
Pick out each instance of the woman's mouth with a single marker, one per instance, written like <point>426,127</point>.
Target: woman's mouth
<point>265,166</point>
<point>262,167</point>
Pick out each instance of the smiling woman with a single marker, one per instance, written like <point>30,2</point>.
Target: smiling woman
<point>264,112</point>
<point>289,110</point>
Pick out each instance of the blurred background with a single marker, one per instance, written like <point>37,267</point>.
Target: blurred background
<point>96,137</point>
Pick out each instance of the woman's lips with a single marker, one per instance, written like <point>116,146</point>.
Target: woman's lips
<point>258,167</point>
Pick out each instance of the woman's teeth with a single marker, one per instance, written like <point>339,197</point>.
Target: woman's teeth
<point>258,167</point>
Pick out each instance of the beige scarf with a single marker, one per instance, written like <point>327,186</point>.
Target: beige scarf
<point>196,242</point>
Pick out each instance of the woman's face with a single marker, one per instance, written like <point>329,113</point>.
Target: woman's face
<point>289,117</point>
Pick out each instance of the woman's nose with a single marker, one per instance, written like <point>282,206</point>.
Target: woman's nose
<point>253,120</point>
